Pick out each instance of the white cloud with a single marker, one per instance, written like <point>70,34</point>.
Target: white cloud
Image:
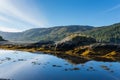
<point>8,29</point>
<point>114,8</point>
<point>4,19</point>
<point>13,14</point>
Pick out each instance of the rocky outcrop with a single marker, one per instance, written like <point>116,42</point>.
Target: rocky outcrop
<point>1,39</point>
<point>98,50</point>
<point>73,41</point>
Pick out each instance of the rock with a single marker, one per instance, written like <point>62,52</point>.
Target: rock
<point>73,41</point>
<point>1,39</point>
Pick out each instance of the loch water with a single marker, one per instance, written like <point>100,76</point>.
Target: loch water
<point>20,65</point>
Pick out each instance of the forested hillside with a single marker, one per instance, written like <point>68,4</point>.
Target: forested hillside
<point>106,33</point>
<point>53,33</point>
<point>109,33</point>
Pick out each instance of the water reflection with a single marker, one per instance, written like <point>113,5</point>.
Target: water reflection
<point>19,65</point>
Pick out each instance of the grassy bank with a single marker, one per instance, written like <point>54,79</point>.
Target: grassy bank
<point>85,53</point>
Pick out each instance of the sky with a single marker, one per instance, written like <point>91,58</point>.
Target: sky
<point>20,15</point>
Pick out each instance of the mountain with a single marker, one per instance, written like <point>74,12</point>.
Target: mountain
<point>109,33</point>
<point>51,34</point>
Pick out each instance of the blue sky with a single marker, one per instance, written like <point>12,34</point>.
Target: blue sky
<point>19,15</point>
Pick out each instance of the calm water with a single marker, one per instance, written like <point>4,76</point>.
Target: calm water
<point>18,65</point>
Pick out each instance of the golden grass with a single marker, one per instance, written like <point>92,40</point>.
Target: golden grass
<point>86,53</point>
<point>113,53</point>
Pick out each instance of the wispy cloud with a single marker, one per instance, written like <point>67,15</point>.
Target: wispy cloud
<point>13,15</point>
<point>113,8</point>
<point>4,19</point>
<point>8,29</point>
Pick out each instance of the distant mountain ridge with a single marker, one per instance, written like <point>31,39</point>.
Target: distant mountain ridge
<point>109,33</point>
<point>53,33</point>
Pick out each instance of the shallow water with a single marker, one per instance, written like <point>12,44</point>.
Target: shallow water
<point>18,65</point>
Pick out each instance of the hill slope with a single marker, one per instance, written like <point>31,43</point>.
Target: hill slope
<point>106,33</point>
<point>101,34</point>
<point>53,33</point>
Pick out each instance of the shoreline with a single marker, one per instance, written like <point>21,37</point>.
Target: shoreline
<point>70,55</point>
